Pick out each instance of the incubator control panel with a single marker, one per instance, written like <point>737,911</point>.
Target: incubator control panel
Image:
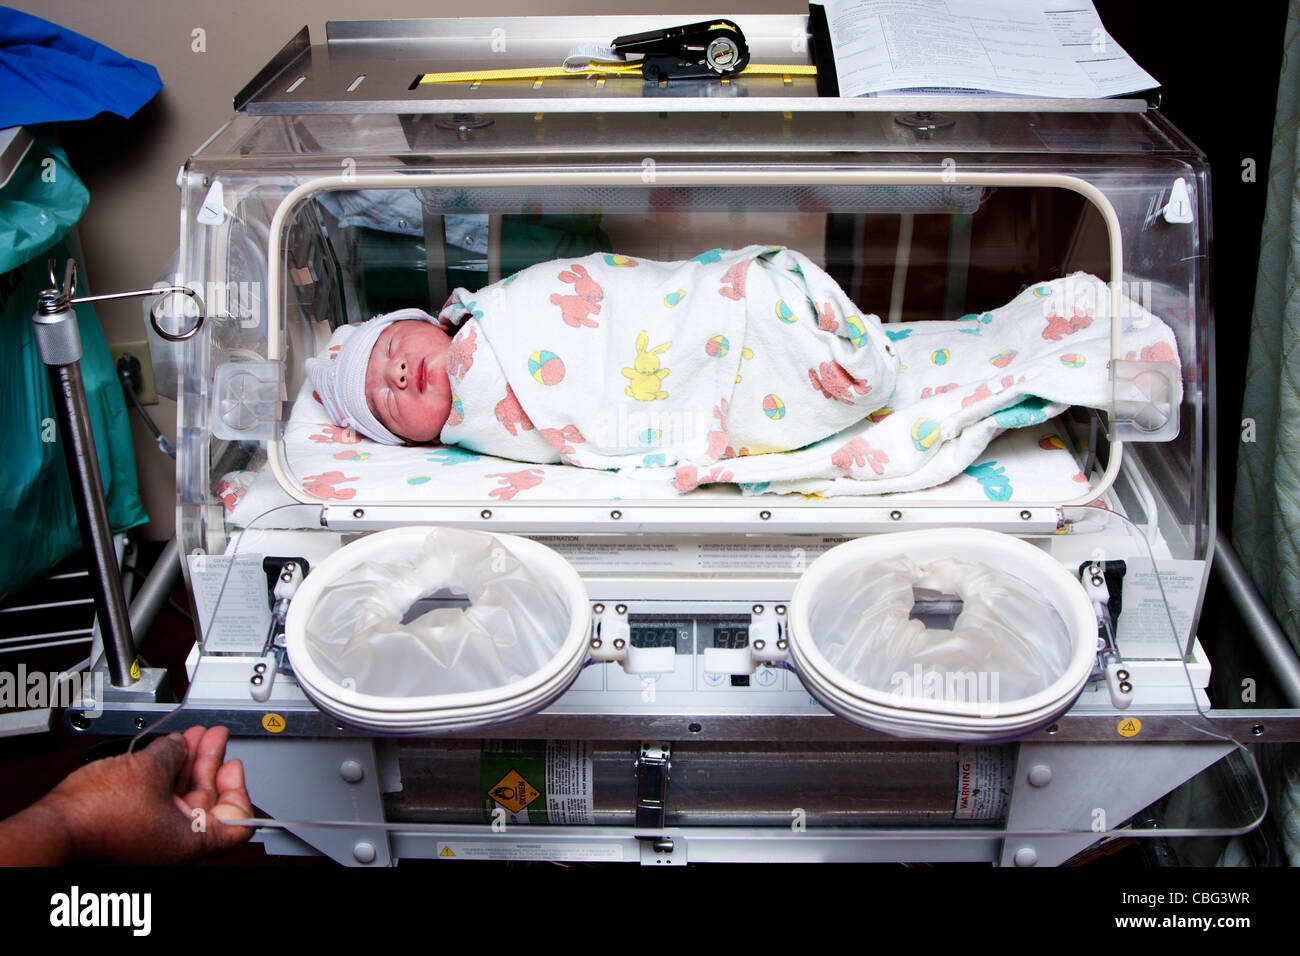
<point>689,683</point>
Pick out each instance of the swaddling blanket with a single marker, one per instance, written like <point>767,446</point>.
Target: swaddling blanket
<point>771,379</point>
<point>616,363</point>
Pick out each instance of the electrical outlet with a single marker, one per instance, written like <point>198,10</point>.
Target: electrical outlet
<point>140,351</point>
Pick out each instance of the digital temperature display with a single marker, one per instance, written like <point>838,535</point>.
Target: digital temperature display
<point>731,637</point>
<point>652,636</point>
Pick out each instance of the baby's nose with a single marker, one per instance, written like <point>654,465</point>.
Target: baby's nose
<point>400,374</point>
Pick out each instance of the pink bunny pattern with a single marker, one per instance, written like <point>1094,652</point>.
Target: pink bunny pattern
<point>577,309</point>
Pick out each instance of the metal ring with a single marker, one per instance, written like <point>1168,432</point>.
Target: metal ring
<point>153,313</point>
<point>722,54</point>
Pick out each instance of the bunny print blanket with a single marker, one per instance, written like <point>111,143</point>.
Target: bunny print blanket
<point>626,364</point>
<point>753,368</point>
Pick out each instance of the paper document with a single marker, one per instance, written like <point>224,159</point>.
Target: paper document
<point>1049,48</point>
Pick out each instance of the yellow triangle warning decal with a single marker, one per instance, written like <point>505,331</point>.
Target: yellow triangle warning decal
<point>446,851</point>
<point>513,792</point>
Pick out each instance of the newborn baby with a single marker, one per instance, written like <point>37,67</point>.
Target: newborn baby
<point>612,362</point>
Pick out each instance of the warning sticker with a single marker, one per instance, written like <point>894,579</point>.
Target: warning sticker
<point>1129,727</point>
<point>569,791</point>
<point>513,792</point>
<point>590,852</point>
<point>272,723</point>
<point>983,782</point>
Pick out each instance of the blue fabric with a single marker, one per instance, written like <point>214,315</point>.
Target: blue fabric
<point>49,74</point>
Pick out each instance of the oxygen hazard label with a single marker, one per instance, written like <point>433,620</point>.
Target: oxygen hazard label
<point>537,782</point>
<point>514,792</point>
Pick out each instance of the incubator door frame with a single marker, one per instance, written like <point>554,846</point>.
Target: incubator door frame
<point>658,515</point>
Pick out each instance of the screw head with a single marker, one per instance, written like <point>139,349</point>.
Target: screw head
<point>598,609</point>
<point>619,643</point>
<point>759,645</point>
<point>358,512</point>
<point>616,515</point>
<point>596,643</point>
<point>765,515</point>
<point>1025,516</point>
<point>895,515</point>
<point>1257,730</point>
<point>364,852</point>
<point>485,513</point>
<point>620,608</point>
<point>140,723</point>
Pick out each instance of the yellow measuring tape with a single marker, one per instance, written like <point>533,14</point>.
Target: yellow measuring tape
<point>613,69</point>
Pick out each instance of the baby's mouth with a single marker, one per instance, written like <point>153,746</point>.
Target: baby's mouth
<point>421,375</point>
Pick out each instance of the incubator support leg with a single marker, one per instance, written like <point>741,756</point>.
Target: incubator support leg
<point>1088,789</point>
<point>153,593</point>
<point>320,781</point>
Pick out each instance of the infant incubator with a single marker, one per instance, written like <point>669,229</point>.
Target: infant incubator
<point>454,656</point>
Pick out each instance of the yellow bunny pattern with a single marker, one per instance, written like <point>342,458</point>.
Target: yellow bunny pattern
<point>646,376</point>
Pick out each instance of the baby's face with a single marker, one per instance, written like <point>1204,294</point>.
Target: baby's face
<point>406,380</point>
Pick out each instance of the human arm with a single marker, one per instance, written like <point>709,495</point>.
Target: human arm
<point>162,805</point>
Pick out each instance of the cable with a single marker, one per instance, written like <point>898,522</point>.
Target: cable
<point>128,372</point>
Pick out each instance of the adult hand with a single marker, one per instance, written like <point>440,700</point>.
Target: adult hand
<point>164,804</point>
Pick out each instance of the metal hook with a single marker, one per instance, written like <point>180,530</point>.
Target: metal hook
<point>70,286</point>
<point>153,313</point>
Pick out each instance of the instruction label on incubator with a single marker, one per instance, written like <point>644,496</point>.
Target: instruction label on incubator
<point>712,553</point>
<point>983,783</point>
<point>231,597</point>
<point>644,556</point>
<point>1143,632</point>
<point>589,852</point>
